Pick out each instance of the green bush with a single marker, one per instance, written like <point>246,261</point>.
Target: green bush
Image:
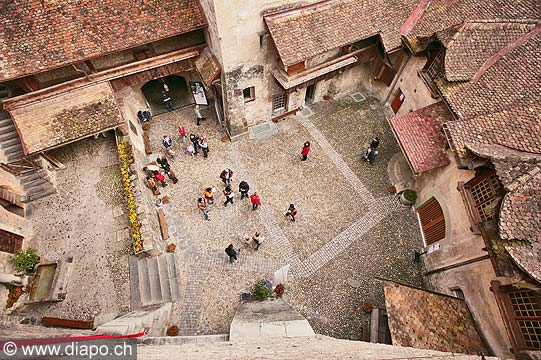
<point>25,260</point>
<point>410,195</point>
<point>261,292</point>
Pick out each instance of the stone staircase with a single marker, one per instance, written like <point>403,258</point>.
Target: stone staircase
<point>179,340</point>
<point>153,280</point>
<point>153,321</point>
<point>35,182</point>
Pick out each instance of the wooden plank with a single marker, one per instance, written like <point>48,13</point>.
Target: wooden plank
<point>163,224</point>
<point>146,141</point>
<point>281,116</point>
<point>75,324</point>
<point>57,163</point>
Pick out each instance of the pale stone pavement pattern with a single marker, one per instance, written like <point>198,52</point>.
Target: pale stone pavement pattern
<point>348,227</point>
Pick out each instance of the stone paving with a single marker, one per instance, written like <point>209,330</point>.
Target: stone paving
<point>86,219</point>
<point>349,230</point>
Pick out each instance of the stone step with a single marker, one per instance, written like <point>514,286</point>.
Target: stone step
<point>165,279</point>
<point>34,183</point>
<point>42,187</point>
<point>8,135</point>
<point>135,294</point>
<point>11,142</point>
<point>6,123</point>
<point>38,195</point>
<point>144,282</point>
<point>15,155</point>
<point>12,148</point>
<point>154,277</point>
<point>173,275</point>
<point>179,340</point>
<point>32,175</point>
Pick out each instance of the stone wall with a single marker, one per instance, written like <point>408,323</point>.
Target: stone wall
<point>461,244</point>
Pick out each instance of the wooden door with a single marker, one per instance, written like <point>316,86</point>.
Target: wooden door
<point>432,221</point>
<point>397,100</point>
<point>10,242</point>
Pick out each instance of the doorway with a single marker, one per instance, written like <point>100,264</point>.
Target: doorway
<point>178,91</point>
<point>310,91</point>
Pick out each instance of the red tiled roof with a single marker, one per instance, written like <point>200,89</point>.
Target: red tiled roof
<point>302,33</point>
<point>419,134</point>
<point>442,14</point>
<point>39,35</point>
<point>513,81</point>
<point>427,320</point>
<point>61,119</point>
<point>475,42</point>
<point>528,258</point>
<point>515,128</point>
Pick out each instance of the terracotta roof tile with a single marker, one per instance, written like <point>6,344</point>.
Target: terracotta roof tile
<point>302,33</point>
<point>527,258</point>
<point>68,117</point>
<point>427,320</point>
<point>420,136</point>
<point>475,42</point>
<point>442,14</point>
<point>39,35</point>
<point>513,81</point>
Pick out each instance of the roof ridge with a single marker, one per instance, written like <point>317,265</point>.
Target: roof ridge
<point>299,9</point>
<point>414,17</point>
<point>507,49</point>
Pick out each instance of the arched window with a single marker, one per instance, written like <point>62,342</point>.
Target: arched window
<point>432,221</point>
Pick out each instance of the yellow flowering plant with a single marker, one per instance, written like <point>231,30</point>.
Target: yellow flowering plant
<point>126,157</point>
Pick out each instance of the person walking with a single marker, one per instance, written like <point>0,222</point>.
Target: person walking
<point>161,178</point>
<point>151,184</point>
<point>375,143</point>
<point>291,212</point>
<point>370,155</point>
<point>171,175</point>
<point>204,146</point>
<point>182,133</point>
<point>167,101</point>
<point>209,195</point>
<point>170,153</point>
<point>305,150</point>
<point>227,177</point>
<point>258,240</point>
<point>228,196</point>
<point>255,200</point>
<point>190,150</point>
<point>243,189</point>
<point>162,161</point>
<point>167,142</point>
<point>202,205</point>
<point>198,116</point>
<point>232,253</point>
<point>194,138</point>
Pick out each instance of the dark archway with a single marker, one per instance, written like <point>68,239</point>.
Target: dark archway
<point>178,91</point>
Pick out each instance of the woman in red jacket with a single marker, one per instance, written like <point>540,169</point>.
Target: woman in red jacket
<point>305,150</point>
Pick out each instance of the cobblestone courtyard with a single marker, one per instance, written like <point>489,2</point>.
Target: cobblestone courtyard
<point>349,230</point>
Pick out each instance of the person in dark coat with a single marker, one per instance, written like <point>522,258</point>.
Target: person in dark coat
<point>375,143</point>
<point>232,253</point>
<point>194,138</point>
<point>162,161</point>
<point>291,212</point>
<point>243,189</point>
<point>167,101</point>
<point>228,196</point>
<point>370,155</point>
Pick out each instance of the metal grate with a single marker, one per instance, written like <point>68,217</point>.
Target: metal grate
<point>484,194</point>
<point>528,316</point>
<point>358,97</point>
<point>279,102</point>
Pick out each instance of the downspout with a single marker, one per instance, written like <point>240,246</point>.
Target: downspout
<point>457,265</point>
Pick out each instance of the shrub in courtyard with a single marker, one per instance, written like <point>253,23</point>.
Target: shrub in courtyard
<point>15,293</point>
<point>279,290</point>
<point>126,158</point>
<point>410,195</point>
<point>25,260</point>
<point>172,330</point>
<point>261,291</point>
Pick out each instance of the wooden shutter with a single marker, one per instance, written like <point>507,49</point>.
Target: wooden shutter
<point>397,101</point>
<point>432,221</point>
<point>10,242</point>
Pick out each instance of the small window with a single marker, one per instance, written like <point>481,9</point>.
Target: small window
<point>278,102</point>
<point>249,94</point>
